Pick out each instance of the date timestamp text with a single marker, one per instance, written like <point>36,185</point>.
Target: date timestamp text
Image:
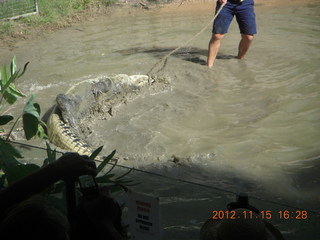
<point>267,214</point>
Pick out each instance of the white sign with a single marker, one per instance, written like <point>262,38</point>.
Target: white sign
<point>143,216</point>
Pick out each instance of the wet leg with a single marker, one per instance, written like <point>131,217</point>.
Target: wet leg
<point>244,45</point>
<point>213,49</point>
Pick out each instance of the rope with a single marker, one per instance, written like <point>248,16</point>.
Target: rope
<point>164,59</point>
<point>184,181</point>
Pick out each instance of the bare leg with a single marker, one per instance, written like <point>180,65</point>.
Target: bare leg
<point>213,49</point>
<point>244,45</point>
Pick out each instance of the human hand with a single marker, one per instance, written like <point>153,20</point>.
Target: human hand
<point>72,165</point>
<point>222,1</point>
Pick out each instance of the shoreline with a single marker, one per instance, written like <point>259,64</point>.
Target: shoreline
<point>24,32</point>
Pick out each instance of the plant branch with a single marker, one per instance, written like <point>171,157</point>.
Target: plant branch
<point>13,126</point>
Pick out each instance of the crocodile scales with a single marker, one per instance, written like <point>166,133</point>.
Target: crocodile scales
<point>90,96</point>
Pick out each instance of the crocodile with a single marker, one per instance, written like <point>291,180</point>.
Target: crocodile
<point>90,97</point>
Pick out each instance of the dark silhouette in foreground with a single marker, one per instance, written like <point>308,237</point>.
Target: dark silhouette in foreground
<point>25,214</point>
<point>240,221</point>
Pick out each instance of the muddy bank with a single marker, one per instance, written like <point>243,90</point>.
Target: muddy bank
<point>26,32</point>
<point>13,31</point>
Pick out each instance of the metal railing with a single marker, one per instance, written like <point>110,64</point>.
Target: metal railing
<point>13,9</point>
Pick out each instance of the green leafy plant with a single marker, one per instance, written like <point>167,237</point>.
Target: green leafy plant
<point>8,90</point>
<point>11,169</point>
<point>32,124</point>
<point>116,182</point>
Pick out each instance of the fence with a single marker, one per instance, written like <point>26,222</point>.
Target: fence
<point>12,9</point>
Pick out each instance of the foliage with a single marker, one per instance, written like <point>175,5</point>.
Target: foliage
<point>8,155</point>
<point>32,123</point>
<point>8,90</point>
<point>6,28</point>
<point>11,169</point>
<point>115,183</point>
<point>58,10</point>
<point>108,2</point>
<point>107,177</point>
<point>52,14</point>
<point>9,93</point>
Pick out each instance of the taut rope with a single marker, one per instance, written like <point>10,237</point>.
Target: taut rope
<point>164,59</point>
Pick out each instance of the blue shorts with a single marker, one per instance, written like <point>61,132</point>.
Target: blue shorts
<point>244,13</point>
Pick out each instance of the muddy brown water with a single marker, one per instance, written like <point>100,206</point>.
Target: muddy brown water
<point>243,126</point>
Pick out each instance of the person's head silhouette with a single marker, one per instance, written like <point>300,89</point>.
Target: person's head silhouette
<point>35,219</point>
<point>242,222</point>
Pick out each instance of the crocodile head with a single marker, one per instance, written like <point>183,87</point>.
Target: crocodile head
<point>68,107</point>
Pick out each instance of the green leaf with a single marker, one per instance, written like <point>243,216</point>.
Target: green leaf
<point>7,84</point>
<point>95,153</point>
<point>43,123</point>
<point>31,118</point>
<point>125,174</point>
<point>8,89</point>
<point>41,132</point>
<point>115,188</point>
<point>4,119</point>
<point>105,178</point>
<point>8,155</point>
<point>13,65</point>
<point>5,77</point>
<point>51,155</point>
<point>9,81</point>
<point>32,108</point>
<point>122,181</point>
<point>113,166</point>
<point>7,149</point>
<point>37,106</point>
<point>15,91</point>
<point>24,69</point>
<point>9,97</point>
<point>105,161</point>
<point>30,125</point>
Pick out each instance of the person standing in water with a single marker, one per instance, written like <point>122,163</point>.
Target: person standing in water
<point>244,12</point>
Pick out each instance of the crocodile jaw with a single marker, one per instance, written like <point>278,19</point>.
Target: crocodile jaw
<point>60,134</point>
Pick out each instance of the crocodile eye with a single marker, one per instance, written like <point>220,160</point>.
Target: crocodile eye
<point>96,91</point>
